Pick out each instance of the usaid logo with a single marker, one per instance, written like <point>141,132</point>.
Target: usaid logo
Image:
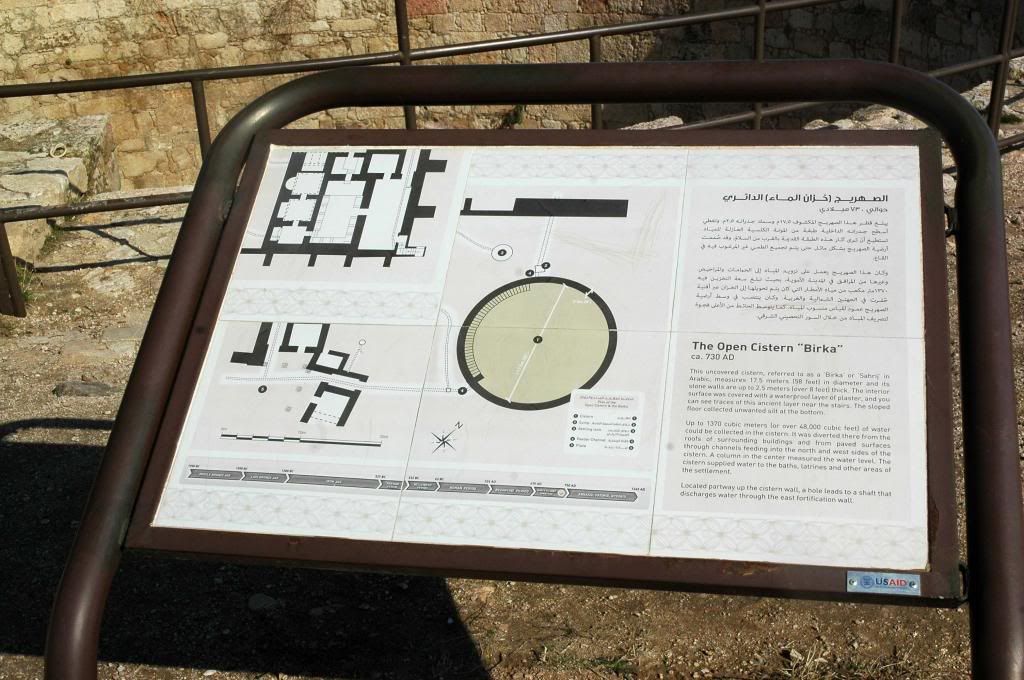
<point>896,584</point>
<point>883,582</point>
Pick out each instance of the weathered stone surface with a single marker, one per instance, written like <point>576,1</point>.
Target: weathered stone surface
<point>88,138</point>
<point>154,128</point>
<point>45,162</point>
<point>40,187</point>
<point>73,169</point>
<point>669,121</point>
<point>140,163</point>
<point>88,352</point>
<point>82,388</point>
<point>27,238</point>
<point>261,602</point>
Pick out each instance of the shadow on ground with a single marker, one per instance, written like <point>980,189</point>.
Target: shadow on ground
<point>204,614</point>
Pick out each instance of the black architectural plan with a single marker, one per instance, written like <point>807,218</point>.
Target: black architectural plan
<point>349,205</point>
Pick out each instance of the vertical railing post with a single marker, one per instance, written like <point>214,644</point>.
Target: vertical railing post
<point>202,116</point>
<point>12,300</point>
<point>402,32</point>
<point>596,108</point>
<point>895,30</point>
<point>759,29</point>
<point>998,93</point>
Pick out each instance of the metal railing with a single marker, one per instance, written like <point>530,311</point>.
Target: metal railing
<point>12,303</point>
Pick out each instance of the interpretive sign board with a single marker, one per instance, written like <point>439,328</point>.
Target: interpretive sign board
<point>620,356</point>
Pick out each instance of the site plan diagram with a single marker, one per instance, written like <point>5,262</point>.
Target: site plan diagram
<point>709,352</point>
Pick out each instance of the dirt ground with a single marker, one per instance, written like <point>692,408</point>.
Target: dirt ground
<point>89,300</point>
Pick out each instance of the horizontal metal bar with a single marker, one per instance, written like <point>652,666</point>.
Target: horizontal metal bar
<point>40,212</point>
<point>184,77</point>
<point>1011,141</point>
<point>966,66</point>
<point>746,116</point>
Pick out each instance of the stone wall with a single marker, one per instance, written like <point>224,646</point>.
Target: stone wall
<point>154,128</point>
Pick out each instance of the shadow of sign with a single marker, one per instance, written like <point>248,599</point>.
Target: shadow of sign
<point>203,615</point>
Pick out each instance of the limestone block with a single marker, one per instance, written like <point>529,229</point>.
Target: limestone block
<point>353,25</point>
<point>87,52</point>
<point>497,22</point>
<point>111,8</point>
<point>29,60</point>
<point>39,187</point>
<point>229,56</point>
<point>12,44</point>
<point>21,23</point>
<point>669,121</point>
<point>73,11</point>
<point>15,158</point>
<point>1017,69</point>
<point>801,18</point>
<point>418,8</point>
<point>136,164</point>
<point>810,45</point>
<point>94,105</point>
<point>173,64</point>
<point>73,169</point>
<point>947,28</point>
<point>444,24</point>
<point>327,9</point>
<point>300,27</point>
<point>838,50</point>
<point>555,22</point>
<point>522,23</point>
<point>211,41</point>
<point>259,45</point>
<point>777,38</point>
<point>122,51</point>
<point>27,238</point>
<point>133,144</point>
<point>303,39</point>
<point>470,22</point>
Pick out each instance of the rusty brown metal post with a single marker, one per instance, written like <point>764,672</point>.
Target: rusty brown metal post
<point>12,298</point>
<point>402,35</point>
<point>760,22</point>
<point>202,117</point>
<point>998,93</point>
<point>995,526</point>
<point>596,109</point>
<point>896,30</point>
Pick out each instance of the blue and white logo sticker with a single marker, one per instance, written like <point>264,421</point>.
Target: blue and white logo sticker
<point>883,583</point>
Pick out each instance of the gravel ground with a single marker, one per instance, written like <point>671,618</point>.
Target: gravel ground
<point>90,298</point>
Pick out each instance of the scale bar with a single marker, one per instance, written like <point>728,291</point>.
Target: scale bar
<point>295,440</point>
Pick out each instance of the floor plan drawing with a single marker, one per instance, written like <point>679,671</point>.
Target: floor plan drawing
<point>565,329</point>
<point>349,205</point>
<point>554,348</point>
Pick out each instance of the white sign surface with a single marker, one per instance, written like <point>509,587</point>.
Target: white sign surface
<point>695,352</point>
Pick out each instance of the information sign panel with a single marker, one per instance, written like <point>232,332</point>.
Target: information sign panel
<point>665,349</point>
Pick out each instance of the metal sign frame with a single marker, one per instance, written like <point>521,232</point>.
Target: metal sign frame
<point>993,494</point>
<point>940,583</point>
